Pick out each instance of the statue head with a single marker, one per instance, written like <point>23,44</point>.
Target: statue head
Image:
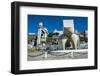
<point>40,24</point>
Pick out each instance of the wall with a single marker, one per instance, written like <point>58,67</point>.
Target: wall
<point>5,41</point>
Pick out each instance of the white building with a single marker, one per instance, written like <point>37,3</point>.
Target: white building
<point>31,34</point>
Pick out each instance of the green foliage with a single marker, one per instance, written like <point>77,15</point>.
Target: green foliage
<point>31,37</point>
<point>50,34</point>
<point>49,39</point>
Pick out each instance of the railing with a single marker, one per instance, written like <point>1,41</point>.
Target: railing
<point>58,53</point>
<point>63,51</point>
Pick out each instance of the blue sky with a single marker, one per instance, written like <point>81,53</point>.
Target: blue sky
<point>55,22</point>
